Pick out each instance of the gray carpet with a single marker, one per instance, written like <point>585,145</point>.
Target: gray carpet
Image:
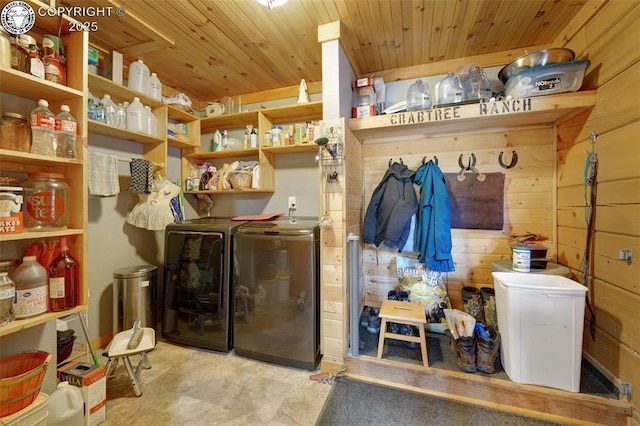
<point>354,403</point>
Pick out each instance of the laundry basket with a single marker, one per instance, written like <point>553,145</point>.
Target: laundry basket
<point>21,376</point>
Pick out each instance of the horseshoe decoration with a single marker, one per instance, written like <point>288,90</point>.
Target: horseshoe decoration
<point>514,160</point>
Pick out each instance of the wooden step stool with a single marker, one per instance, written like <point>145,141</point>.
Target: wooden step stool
<point>409,313</point>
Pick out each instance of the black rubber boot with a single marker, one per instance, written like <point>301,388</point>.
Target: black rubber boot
<point>489,302</point>
<point>487,350</point>
<point>472,303</point>
<point>465,349</point>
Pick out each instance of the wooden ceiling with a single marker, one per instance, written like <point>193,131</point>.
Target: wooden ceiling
<point>213,48</point>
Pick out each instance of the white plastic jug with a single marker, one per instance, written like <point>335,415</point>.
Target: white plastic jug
<point>154,87</point>
<point>138,76</point>
<point>152,122</point>
<point>66,406</point>
<point>136,117</point>
<point>450,90</point>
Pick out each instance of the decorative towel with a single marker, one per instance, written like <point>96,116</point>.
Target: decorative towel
<point>141,176</point>
<point>103,175</point>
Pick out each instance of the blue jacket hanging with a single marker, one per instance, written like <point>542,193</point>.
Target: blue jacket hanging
<point>433,224</point>
<point>393,202</point>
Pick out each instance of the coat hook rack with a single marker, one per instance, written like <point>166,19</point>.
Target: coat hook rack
<point>514,160</point>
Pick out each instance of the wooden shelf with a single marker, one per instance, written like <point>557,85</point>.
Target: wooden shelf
<point>234,191</point>
<point>290,149</point>
<point>177,114</point>
<point>37,159</point>
<point>232,153</point>
<point>284,114</point>
<point>181,143</point>
<point>229,121</point>
<point>99,86</point>
<point>105,129</point>
<point>541,110</point>
<point>23,324</point>
<point>33,235</point>
<point>25,85</point>
<point>293,113</point>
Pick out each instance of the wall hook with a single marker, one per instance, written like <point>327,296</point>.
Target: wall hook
<point>514,160</point>
<point>472,162</point>
<point>424,160</point>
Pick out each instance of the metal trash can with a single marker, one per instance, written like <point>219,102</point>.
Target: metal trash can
<point>134,297</point>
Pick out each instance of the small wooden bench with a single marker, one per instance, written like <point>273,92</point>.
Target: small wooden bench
<point>408,313</point>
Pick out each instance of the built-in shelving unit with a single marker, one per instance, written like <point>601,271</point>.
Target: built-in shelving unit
<point>263,119</point>
<point>192,139</point>
<point>155,147</point>
<point>543,110</point>
<point>30,89</point>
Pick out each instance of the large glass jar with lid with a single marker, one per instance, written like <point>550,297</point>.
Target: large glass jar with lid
<point>46,205</point>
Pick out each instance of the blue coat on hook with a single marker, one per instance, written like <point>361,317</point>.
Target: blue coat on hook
<point>433,223</point>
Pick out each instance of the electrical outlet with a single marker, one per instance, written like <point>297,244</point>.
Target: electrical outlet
<point>292,202</point>
<point>626,255</point>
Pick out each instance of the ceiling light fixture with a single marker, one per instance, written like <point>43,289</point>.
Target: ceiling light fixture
<point>272,3</point>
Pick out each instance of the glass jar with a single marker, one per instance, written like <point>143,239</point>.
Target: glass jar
<point>16,133</point>
<point>19,56</point>
<point>45,202</point>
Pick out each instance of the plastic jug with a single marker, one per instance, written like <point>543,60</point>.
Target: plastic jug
<point>450,90</point>
<point>136,117</point>
<point>419,96</point>
<point>476,85</point>
<point>154,87</point>
<point>138,76</point>
<point>66,406</point>
<point>30,279</point>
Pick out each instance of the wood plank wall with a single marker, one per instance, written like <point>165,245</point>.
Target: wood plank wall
<point>610,40</point>
<point>335,273</point>
<point>529,200</point>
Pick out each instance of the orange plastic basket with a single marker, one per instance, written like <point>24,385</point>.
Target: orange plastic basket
<point>21,376</point>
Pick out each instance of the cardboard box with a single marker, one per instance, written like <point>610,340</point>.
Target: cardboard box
<point>113,66</point>
<point>92,381</point>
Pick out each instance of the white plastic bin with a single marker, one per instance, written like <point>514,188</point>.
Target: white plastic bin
<point>541,319</point>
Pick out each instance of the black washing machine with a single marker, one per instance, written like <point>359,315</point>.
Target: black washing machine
<point>277,290</point>
<point>198,275</point>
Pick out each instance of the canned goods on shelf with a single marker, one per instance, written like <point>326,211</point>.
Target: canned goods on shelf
<point>11,218</point>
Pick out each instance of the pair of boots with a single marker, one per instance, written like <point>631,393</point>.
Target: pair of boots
<point>480,304</point>
<point>478,352</point>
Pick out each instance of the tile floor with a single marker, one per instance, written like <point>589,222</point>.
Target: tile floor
<point>199,387</point>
